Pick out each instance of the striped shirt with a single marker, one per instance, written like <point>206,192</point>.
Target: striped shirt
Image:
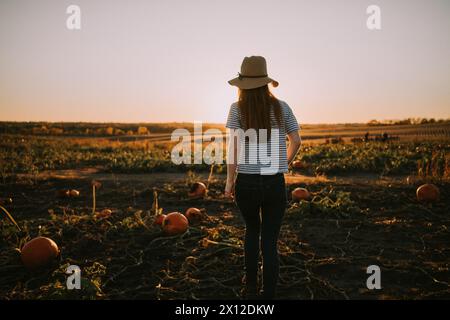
<point>268,156</point>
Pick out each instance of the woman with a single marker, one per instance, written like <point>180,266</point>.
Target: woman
<point>258,186</point>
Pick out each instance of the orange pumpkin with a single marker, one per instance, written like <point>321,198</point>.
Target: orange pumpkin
<point>5,201</point>
<point>175,223</point>
<point>297,164</point>
<point>63,193</point>
<point>427,193</point>
<point>300,194</point>
<point>39,252</point>
<point>105,213</point>
<point>159,219</point>
<point>74,193</point>
<point>194,215</point>
<point>198,190</point>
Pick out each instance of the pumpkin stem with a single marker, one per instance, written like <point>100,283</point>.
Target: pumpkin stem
<point>93,199</point>
<point>210,176</point>
<point>10,217</point>
<point>155,205</point>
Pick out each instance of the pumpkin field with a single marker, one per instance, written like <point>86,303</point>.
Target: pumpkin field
<point>140,227</point>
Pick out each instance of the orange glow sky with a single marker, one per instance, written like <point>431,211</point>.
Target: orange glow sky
<point>158,61</point>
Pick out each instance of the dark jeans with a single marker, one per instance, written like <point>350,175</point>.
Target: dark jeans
<point>262,202</point>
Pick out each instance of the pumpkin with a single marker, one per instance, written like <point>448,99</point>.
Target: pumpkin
<point>194,215</point>
<point>300,194</point>
<point>105,213</point>
<point>297,164</point>
<point>190,260</point>
<point>39,252</point>
<point>427,193</point>
<point>74,193</point>
<point>63,193</point>
<point>175,223</point>
<point>159,219</point>
<point>198,190</point>
<point>5,201</point>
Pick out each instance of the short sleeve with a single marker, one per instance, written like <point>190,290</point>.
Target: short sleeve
<point>233,121</point>
<point>290,121</point>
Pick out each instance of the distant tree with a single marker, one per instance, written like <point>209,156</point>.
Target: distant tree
<point>143,130</point>
<point>403,122</point>
<point>110,131</point>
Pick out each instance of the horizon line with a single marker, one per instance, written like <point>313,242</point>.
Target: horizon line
<point>384,121</point>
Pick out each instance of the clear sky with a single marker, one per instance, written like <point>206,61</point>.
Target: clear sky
<point>169,60</point>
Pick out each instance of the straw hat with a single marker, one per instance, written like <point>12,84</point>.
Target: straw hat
<point>253,74</point>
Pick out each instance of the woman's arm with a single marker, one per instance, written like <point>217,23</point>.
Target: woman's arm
<point>294,145</point>
<point>231,163</point>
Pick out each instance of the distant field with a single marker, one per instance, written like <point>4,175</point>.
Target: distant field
<point>32,154</point>
<point>161,132</point>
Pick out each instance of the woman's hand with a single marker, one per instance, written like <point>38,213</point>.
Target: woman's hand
<point>229,190</point>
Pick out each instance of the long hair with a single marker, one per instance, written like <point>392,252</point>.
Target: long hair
<point>255,106</point>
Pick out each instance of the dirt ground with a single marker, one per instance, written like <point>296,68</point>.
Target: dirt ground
<point>323,254</point>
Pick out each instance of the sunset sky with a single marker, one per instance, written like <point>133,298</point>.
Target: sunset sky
<point>157,61</point>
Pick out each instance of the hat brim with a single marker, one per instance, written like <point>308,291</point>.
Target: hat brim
<point>252,83</point>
